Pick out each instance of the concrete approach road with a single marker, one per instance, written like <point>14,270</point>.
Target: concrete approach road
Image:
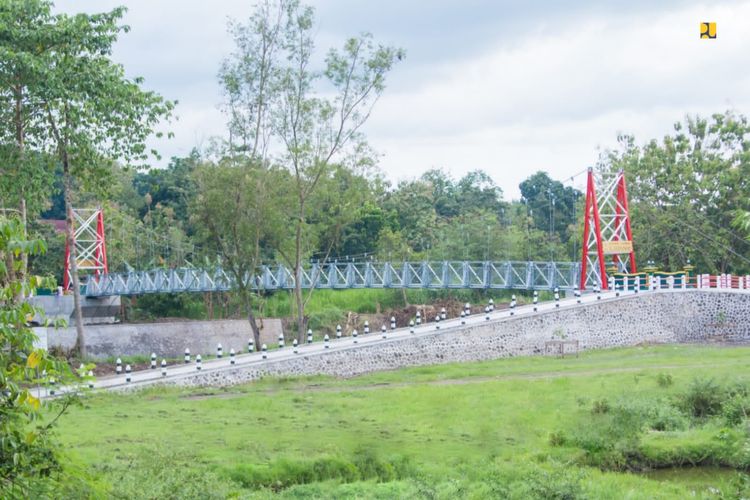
<point>174,371</point>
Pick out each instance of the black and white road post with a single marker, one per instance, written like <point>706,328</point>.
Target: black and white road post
<point>411,326</point>
<point>354,336</point>
<point>281,341</point>
<point>338,331</point>
<point>437,322</point>
<point>393,322</point>
<point>118,366</point>
<point>598,292</point>
<point>127,373</point>
<point>577,293</point>
<point>367,327</point>
<point>153,361</point>
<point>443,314</point>
<point>219,351</point>
<point>232,354</point>
<point>383,332</point>
<point>250,346</point>
<point>264,350</point>
<point>309,335</point>
<point>557,297</point>
<point>295,346</point>
<point>536,300</point>
<point>512,304</point>
<point>419,318</point>
<point>198,362</point>
<point>91,379</point>
<point>487,313</point>
<point>52,386</point>
<point>187,355</point>
<point>492,305</point>
<point>463,318</point>
<point>467,309</point>
<point>326,340</point>
<point>163,367</point>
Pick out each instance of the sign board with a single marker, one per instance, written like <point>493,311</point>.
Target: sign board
<point>617,247</point>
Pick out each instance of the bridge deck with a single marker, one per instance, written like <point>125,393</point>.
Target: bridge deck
<point>425,274</point>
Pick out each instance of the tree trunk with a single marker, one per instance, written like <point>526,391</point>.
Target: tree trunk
<point>298,279</point>
<point>80,346</point>
<point>251,319</point>
<point>20,143</point>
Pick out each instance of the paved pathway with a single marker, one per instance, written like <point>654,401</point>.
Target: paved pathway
<point>176,371</point>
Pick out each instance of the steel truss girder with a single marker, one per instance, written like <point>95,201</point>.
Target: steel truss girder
<point>416,275</point>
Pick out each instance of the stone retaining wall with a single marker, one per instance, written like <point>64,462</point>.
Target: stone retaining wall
<point>650,317</point>
<point>166,339</point>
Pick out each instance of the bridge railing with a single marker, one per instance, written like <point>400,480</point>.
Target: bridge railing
<point>723,281</point>
<point>335,275</point>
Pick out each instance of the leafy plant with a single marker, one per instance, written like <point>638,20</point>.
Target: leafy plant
<point>29,459</point>
<point>703,398</point>
<point>664,380</point>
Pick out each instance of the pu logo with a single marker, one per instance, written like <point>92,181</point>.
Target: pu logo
<point>708,30</point>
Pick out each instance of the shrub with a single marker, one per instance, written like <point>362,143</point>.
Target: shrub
<point>600,406</point>
<point>325,319</point>
<point>154,474</point>
<point>557,438</point>
<point>735,409</point>
<point>370,466</point>
<point>529,480</point>
<point>284,473</point>
<point>703,398</point>
<point>664,380</point>
<point>665,417</point>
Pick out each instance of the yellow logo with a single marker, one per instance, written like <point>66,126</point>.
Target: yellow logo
<point>708,30</point>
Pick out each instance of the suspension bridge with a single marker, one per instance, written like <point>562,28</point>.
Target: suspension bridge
<point>607,236</point>
<point>333,275</point>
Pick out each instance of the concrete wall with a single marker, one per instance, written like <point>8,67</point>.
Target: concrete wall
<point>165,339</point>
<point>653,317</point>
<point>95,310</point>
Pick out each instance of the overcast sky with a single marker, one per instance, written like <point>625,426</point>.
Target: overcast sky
<point>507,87</point>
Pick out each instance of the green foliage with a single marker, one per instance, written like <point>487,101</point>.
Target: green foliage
<point>29,457</point>
<point>469,430</point>
<point>168,305</point>
<point>703,398</point>
<point>688,187</point>
<point>551,204</point>
<point>664,380</point>
<point>600,406</point>
<point>735,409</point>
<point>164,474</point>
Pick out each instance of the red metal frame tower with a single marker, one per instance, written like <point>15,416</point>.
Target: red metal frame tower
<point>606,229</point>
<point>90,243</point>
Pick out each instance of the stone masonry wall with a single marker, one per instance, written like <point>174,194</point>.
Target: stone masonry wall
<point>168,339</point>
<point>650,317</point>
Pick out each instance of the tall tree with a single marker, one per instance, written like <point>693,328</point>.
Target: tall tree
<point>238,209</point>
<point>25,173</point>
<point>94,113</point>
<point>553,205</point>
<point>686,190</point>
<point>274,101</point>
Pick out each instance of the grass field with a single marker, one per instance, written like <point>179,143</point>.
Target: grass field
<point>518,428</point>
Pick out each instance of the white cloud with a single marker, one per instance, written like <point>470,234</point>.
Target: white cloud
<point>548,101</point>
<point>509,101</point>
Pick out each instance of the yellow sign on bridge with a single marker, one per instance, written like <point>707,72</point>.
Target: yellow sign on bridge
<point>617,247</point>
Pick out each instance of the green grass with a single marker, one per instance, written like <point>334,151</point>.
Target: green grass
<point>517,428</point>
<point>322,307</point>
